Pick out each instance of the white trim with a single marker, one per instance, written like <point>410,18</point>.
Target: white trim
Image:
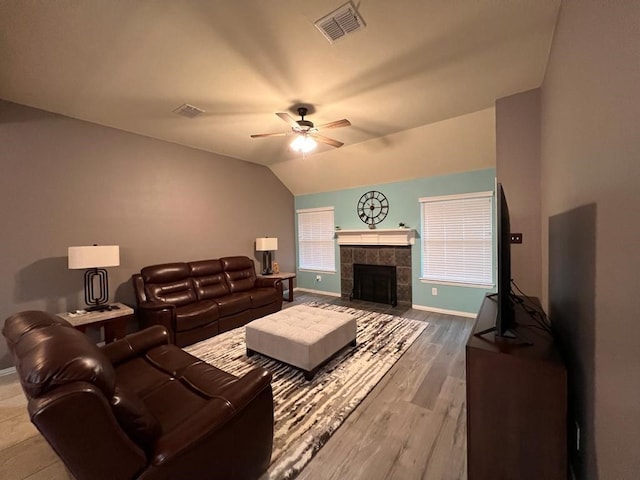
<point>457,196</point>
<point>458,284</point>
<point>332,272</point>
<point>321,292</point>
<point>7,371</point>
<point>318,209</point>
<point>384,236</point>
<point>445,311</point>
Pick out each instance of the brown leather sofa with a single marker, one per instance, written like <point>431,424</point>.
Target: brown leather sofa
<point>139,407</point>
<point>197,300</point>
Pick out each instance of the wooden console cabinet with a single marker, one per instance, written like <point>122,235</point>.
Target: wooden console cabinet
<point>516,402</point>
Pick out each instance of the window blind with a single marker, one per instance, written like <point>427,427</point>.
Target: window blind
<point>457,238</point>
<point>316,244</point>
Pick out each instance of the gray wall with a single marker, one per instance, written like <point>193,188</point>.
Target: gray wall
<point>65,182</point>
<point>518,169</point>
<point>590,190</point>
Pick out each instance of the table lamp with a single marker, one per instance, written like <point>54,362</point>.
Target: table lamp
<point>266,245</point>
<point>96,280</point>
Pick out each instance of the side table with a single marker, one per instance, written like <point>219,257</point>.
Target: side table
<point>114,321</point>
<point>284,276</point>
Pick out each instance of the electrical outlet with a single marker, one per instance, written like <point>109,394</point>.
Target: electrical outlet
<point>318,278</point>
<point>434,291</point>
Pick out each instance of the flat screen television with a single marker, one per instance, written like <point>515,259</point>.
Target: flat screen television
<point>505,315</point>
<point>505,318</point>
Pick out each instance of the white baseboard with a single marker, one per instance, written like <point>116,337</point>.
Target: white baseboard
<point>445,311</point>
<point>417,307</point>
<point>320,292</point>
<point>7,371</point>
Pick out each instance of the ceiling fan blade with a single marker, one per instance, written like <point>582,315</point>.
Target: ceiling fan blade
<point>289,119</point>
<point>337,124</point>
<point>327,140</point>
<point>261,135</point>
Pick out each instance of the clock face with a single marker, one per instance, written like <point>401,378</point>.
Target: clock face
<point>373,207</point>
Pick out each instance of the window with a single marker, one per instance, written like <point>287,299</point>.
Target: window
<point>316,245</point>
<point>457,239</point>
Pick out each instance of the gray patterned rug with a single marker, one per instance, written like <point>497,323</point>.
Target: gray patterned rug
<point>308,413</point>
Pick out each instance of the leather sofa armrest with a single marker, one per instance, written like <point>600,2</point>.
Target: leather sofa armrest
<point>193,430</point>
<point>266,282</point>
<point>155,306</point>
<point>136,344</point>
<point>79,424</point>
<point>157,313</point>
<point>215,415</point>
<point>246,388</point>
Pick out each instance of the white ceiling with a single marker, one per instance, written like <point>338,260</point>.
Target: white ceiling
<point>128,64</point>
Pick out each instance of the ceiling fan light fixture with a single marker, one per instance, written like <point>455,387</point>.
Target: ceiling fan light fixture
<point>303,144</point>
<point>305,133</point>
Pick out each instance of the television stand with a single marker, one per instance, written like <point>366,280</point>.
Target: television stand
<point>516,402</point>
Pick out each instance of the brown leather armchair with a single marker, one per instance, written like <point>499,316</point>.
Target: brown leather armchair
<point>139,407</point>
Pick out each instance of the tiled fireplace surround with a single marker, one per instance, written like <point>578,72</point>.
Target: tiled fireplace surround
<point>398,256</point>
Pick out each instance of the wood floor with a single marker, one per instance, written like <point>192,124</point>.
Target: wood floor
<point>411,426</point>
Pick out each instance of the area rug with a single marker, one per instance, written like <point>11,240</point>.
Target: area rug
<point>307,413</point>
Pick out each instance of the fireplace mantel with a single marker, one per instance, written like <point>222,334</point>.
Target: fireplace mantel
<point>383,236</point>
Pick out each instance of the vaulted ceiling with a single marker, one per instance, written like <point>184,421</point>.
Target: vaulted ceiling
<point>129,64</point>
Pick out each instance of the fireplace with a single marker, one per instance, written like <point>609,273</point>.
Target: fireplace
<point>375,283</point>
<point>396,257</point>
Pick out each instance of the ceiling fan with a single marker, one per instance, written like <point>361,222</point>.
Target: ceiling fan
<point>306,133</point>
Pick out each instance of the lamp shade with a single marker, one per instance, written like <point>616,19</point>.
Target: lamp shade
<point>266,244</point>
<point>94,256</point>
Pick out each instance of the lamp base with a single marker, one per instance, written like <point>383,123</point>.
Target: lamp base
<point>266,263</point>
<point>101,308</point>
<point>96,288</point>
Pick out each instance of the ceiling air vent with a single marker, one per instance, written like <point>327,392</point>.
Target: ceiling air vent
<point>188,111</point>
<point>340,22</point>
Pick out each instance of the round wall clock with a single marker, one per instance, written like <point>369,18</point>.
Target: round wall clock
<point>373,207</point>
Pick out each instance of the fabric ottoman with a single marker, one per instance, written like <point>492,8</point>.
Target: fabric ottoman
<point>302,336</point>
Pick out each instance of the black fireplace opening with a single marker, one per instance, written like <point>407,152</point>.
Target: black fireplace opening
<point>375,283</point>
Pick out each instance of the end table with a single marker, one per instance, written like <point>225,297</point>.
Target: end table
<point>284,276</point>
<point>114,321</point>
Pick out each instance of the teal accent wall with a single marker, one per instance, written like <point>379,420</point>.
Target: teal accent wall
<point>403,207</point>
